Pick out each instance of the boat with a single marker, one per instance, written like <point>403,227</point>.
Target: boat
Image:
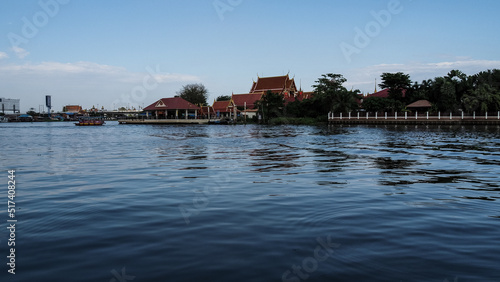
<point>4,119</point>
<point>89,121</point>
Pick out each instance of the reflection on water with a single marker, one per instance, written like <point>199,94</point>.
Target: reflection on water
<point>247,203</point>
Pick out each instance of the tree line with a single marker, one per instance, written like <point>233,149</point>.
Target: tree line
<point>456,91</point>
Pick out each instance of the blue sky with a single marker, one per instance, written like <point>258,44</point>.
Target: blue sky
<point>121,52</point>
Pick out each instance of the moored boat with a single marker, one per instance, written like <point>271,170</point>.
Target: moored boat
<point>88,121</point>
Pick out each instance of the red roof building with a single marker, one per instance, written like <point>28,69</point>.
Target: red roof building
<point>172,108</point>
<point>420,105</point>
<point>207,112</point>
<point>276,84</point>
<point>246,101</point>
<point>280,84</point>
<point>224,108</point>
<point>383,94</point>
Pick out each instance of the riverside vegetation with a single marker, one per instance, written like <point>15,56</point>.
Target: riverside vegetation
<point>456,91</point>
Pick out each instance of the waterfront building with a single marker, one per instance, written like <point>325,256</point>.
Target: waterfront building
<point>246,103</point>
<point>284,85</point>
<point>224,109</point>
<point>172,108</point>
<point>207,112</point>
<point>9,105</point>
<point>419,106</point>
<point>277,84</point>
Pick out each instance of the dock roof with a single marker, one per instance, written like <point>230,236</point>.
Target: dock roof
<point>175,103</point>
<point>420,104</point>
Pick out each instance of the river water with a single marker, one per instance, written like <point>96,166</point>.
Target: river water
<point>252,203</point>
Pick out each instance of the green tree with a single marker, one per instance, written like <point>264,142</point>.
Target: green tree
<point>223,98</point>
<point>378,104</point>
<point>305,108</point>
<point>483,99</point>
<point>333,96</point>
<point>195,93</point>
<point>397,83</point>
<point>270,106</point>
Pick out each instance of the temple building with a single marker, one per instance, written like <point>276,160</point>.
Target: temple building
<point>224,109</point>
<point>207,112</point>
<point>246,103</point>
<point>277,84</point>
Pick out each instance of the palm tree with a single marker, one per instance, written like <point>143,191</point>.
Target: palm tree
<point>483,99</point>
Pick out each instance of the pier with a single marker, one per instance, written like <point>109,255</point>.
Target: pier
<point>413,118</point>
<point>167,121</point>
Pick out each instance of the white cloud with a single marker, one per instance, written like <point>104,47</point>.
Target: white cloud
<point>3,55</point>
<point>94,69</point>
<point>417,68</point>
<point>20,52</point>
<point>88,83</point>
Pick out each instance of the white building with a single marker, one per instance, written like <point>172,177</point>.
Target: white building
<point>9,105</point>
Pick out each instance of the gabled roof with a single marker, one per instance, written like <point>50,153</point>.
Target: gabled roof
<point>420,104</point>
<point>275,83</point>
<point>250,99</point>
<point>175,103</point>
<point>222,106</point>
<point>383,93</point>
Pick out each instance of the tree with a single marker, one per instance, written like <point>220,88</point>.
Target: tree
<point>483,99</point>
<point>378,104</point>
<point>223,98</point>
<point>396,83</point>
<point>333,96</point>
<point>419,91</point>
<point>305,108</point>
<point>195,93</point>
<point>345,100</point>
<point>271,105</point>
